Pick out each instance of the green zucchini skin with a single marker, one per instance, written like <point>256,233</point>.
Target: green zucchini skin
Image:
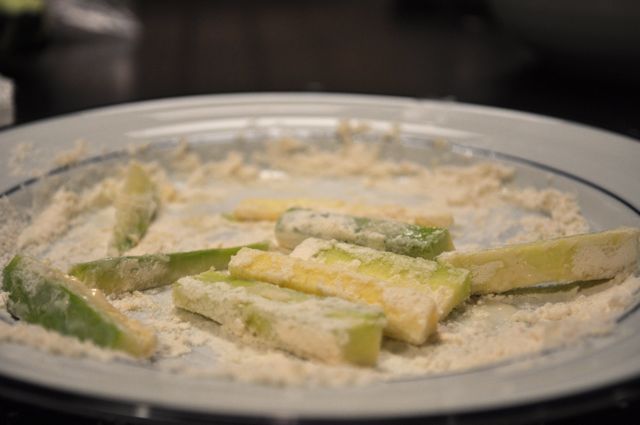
<point>45,296</point>
<point>135,273</point>
<point>298,224</point>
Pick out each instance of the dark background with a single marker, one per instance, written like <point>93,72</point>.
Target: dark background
<point>578,63</point>
<point>565,59</point>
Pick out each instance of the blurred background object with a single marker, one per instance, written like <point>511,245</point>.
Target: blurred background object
<point>82,18</point>
<point>593,37</point>
<point>564,58</point>
<point>82,56</point>
<point>6,101</point>
<point>21,24</point>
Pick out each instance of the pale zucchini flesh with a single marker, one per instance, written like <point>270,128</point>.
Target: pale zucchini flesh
<point>590,256</point>
<point>448,286</point>
<point>411,313</point>
<point>270,209</point>
<point>328,329</point>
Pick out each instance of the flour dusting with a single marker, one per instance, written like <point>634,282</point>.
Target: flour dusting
<point>198,193</point>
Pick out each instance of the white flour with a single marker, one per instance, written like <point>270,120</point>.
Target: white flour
<point>76,227</point>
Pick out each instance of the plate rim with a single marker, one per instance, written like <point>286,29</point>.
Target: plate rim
<point>409,102</point>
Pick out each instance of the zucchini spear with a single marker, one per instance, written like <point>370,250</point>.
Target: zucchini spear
<point>45,296</point>
<point>298,224</point>
<point>136,206</point>
<point>269,209</point>
<point>331,330</point>
<point>568,259</point>
<point>129,273</point>
<point>448,286</point>
<point>410,311</point>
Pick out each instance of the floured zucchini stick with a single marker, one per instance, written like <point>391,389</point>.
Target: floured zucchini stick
<point>129,273</point>
<point>448,286</point>
<point>269,209</point>
<point>567,259</point>
<point>136,205</point>
<point>328,329</point>
<point>298,224</point>
<point>411,312</point>
<point>45,296</point>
